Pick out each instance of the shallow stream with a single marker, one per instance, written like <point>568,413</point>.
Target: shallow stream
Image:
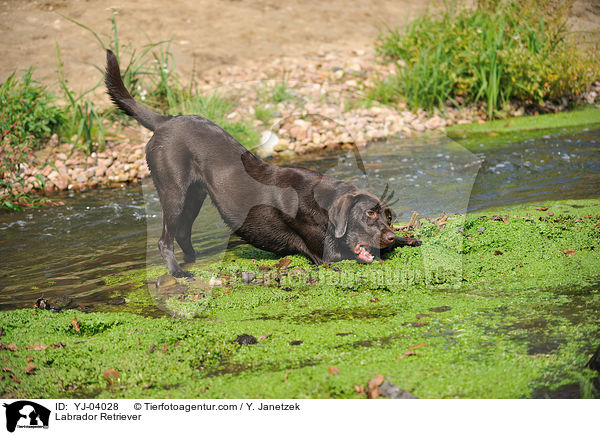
<point>70,250</point>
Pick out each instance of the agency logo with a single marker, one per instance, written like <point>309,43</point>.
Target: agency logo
<point>26,414</point>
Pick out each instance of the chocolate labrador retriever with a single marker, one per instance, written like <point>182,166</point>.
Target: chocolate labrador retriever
<point>281,210</point>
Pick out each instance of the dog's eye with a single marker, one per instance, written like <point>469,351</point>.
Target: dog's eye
<point>371,214</point>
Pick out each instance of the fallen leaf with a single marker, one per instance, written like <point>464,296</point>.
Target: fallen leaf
<point>164,348</point>
<point>176,343</point>
<point>228,290</point>
<point>420,315</point>
<point>75,324</point>
<point>111,375</point>
<point>541,208</point>
<point>262,337</point>
<point>418,324</point>
<point>569,252</point>
<point>283,263</point>
<point>37,346</point>
<point>12,347</point>
<point>333,370</point>
<point>152,348</point>
<point>550,213</point>
<point>29,358</point>
<point>497,252</point>
<point>60,345</point>
<point>360,389</point>
<point>7,369</point>
<point>375,300</point>
<point>148,386</point>
<point>295,342</point>
<point>30,369</point>
<point>417,346</point>
<point>441,222</point>
<point>409,353</point>
<point>373,386</point>
<point>14,378</point>
<point>1,331</point>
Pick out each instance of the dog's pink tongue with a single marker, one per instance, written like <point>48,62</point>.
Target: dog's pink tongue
<point>365,255</point>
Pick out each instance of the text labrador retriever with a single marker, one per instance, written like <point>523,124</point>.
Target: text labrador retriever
<point>281,210</point>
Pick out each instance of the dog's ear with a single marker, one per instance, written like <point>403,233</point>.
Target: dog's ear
<point>339,212</point>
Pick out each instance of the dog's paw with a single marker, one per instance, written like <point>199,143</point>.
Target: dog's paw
<point>182,274</point>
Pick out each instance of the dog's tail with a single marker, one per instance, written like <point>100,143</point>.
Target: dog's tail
<point>123,99</point>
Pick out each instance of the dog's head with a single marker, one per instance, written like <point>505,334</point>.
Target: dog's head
<point>362,222</point>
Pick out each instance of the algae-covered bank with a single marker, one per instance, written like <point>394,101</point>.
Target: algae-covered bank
<point>500,304</point>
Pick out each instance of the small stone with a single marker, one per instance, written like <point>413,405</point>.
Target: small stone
<point>214,281</point>
<point>246,339</point>
<point>116,301</point>
<point>248,277</point>
<point>391,391</point>
<point>298,132</point>
<point>100,170</point>
<point>165,281</point>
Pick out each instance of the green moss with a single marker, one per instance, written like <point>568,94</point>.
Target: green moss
<point>522,323</point>
<point>575,118</point>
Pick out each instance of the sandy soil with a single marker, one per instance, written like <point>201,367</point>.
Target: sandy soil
<point>210,33</point>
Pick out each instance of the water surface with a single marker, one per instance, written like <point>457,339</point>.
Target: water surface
<point>70,250</point>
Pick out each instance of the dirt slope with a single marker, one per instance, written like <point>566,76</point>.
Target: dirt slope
<point>211,33</point>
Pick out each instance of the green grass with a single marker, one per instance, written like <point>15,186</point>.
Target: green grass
<point>275,92</point>
<point>215,107</point>
<point>575,118</point>
<point>83,121</point>
<point>506,330</point>
<point>491,55</point>
<point>29,116</point>
<point>263,113</point>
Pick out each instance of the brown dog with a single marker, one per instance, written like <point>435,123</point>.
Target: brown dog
<point>282,210</point>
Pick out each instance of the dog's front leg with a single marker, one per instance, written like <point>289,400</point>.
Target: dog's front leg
<point>165,246</point>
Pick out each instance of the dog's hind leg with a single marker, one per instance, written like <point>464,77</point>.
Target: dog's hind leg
<point>172,205</point>
<point>193,202</point>
<point>165,245</point>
